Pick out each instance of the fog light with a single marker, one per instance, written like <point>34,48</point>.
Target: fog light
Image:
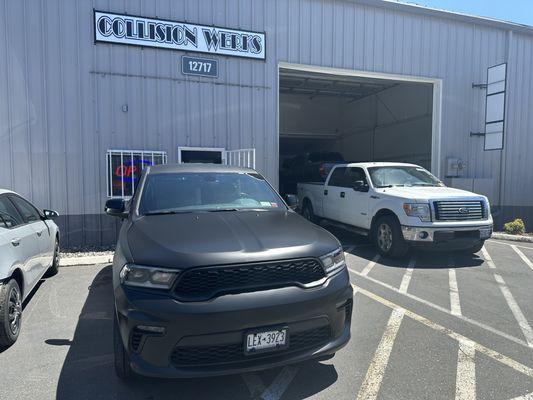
<point>423,235</point>
<point>151,329</point>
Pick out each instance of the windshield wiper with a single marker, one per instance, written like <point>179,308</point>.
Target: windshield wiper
<point>388,186</point>
<point>223,209</point>
<point>167,212</point>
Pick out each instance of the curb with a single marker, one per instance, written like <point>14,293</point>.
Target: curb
<point>89,260</point>
<point>514,238</point>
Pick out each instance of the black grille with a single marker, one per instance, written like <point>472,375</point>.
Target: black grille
<point>208,355</point>
<point>459,210</point>
<point>136,339</point>
<point>204,283</point>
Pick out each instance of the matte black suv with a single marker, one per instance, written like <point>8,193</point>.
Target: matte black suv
<point>214,274</point>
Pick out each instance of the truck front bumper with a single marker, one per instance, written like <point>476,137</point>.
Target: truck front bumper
<point>455,237</point>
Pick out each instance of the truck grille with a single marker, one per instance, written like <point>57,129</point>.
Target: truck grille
<point>205,283</point>
<point>459,210</point>
<point>189,356</point>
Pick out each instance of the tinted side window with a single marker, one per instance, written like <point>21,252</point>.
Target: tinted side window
<point>355,174</point>
<point>29,213</point>
<point>9,217</point>
<point>337,177</point>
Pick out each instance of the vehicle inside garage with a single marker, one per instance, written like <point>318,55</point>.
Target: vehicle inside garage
<point>326,119</point>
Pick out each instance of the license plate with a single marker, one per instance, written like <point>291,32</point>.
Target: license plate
<point>266,340</point>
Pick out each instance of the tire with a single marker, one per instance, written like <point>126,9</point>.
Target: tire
<point>10,312</point>
<point>54,268</point>
<point>308,213</point>
<point>122,359</point>
<point>388,238</point>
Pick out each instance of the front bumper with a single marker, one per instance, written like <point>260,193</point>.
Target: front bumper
<point>456,237</point>
<point>207,338</point>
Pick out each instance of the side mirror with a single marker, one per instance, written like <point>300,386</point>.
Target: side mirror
<point>116,208</point>
<point>292,201</point>
<point>50,214</point>
<point>360,186</point>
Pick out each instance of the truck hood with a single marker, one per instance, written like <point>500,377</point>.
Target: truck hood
<point>201,239</point>
<point>429,193</point>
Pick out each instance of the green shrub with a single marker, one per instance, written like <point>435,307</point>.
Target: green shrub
<point>515,227</point>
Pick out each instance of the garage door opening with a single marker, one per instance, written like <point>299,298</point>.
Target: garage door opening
<point>327,118</point>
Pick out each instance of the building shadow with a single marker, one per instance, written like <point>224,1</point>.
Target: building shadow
<point>88,370</point>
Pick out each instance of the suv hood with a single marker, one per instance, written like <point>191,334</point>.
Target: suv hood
<point>216,238</point>
<point>424,193</point>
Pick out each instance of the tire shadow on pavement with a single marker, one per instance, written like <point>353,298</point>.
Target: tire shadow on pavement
<point>88,370</point>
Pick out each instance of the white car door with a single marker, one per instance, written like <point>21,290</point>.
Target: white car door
<point>42,246</point>
<point>19,243</point>
<point>332,194</point>
<point>353,207</point>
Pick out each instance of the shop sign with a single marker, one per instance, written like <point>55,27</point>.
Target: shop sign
<point>150,32</point>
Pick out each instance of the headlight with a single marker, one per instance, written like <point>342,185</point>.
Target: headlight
<point>149,277</point>
<point>334,261</point>
<point>418,210</point>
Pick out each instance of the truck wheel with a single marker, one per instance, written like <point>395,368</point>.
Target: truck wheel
<point>54,268</point>
<point>10,312</point>
<point>122,359</point>
<point>307,212</point>
<point>388,238</point>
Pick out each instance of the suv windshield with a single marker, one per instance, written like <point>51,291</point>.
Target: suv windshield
<point>402,176</point>
<point>192,192</point>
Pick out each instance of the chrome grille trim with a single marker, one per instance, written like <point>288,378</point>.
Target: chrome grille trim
<point>459,210</point>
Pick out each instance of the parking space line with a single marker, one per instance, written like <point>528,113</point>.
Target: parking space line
<point>509,244</point>
<point>465,383</point>
<point>444,310</point>
<point>280,384</point>
<point>370,265</point>
<point>493,354</point>
<point>522,256</point>
<point>407,275</point>
<point>455,303</point>
<point>528,396</point>
<point>511,302</point>
<point>254,383</point>
<point>374,376</point>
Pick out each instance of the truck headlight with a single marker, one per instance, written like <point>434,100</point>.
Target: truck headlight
<point>418,210</point>
<point>333,262</point>
<point>148,277</point>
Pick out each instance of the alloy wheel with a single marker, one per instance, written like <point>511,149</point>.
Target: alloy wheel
<point>14,310</point>
<point>384,237</point>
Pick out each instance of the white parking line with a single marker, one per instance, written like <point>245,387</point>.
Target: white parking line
<point>465,383</point>
<point>511,302</point>
<point>455,304</point>
<point>280,384</point>
<point>528,396</point>
<point>407,275</point>
<point>370,265</point>
<point>509,244</point>
<point>254,383</point>
<point>517,366</point>
<point>444,310</point>
<point>374,376</point>
<point>522,256</point>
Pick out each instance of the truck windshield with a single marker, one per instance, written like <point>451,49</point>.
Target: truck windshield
<point>402,176</point>
<point>207,192</point>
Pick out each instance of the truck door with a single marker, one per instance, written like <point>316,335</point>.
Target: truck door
<point>332,193</point>
<point>353,207</point>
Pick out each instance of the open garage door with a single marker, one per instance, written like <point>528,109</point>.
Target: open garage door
<point>326,118</point>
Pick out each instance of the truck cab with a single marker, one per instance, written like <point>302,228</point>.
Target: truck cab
<point>398,206</point>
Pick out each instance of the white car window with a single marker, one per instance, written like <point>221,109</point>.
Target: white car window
<point>9,217</point>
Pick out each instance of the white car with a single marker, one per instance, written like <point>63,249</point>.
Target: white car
<point>29,248</point>
<point>399,206</point>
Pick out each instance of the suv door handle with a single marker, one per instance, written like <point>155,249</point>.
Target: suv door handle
<point>325,192</point>
<point>15,242</point>
<point>343,195</point>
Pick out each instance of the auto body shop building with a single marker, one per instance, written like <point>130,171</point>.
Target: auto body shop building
<point>93,91</point>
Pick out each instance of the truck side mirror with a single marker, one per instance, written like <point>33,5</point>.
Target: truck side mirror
<point>360,186</point>
<point>292,201</point>
<point>116,208</point>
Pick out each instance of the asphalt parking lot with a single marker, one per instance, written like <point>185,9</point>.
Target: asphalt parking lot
<point>432,326</point>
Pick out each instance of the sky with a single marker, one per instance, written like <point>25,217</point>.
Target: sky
<point>520,11</point>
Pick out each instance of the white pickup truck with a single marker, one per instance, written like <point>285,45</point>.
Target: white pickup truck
<point>398,205</point>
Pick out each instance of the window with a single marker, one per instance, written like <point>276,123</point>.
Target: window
<point>29,213</point>
<point>337,177</point>
<point>9,216</point>
<point>124,168</point>
<point>354,174</point>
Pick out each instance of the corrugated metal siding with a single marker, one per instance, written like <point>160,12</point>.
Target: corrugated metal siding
<point>62,94</point>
